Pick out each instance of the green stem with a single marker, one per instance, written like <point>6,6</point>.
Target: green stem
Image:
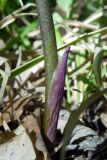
<point>49,44</point>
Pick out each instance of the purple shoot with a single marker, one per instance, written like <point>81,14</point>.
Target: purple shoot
<point>55,96</point>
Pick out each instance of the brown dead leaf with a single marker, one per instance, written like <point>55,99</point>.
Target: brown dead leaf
<point>19,107</point>
<point>6,136</point>
<point>30,123</point>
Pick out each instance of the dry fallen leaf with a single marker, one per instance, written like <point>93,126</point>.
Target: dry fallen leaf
<point>104,119</point>
<point>18,148</point>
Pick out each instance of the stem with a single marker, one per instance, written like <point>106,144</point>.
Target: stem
<point>49,44</point>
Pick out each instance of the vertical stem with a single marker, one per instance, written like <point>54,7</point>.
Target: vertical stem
<point>49,45</point>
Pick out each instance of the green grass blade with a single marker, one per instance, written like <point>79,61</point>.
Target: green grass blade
<point>15,72</point>
<point>25,66</point>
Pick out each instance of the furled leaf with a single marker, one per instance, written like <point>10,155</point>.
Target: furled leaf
<point>56,95</point>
